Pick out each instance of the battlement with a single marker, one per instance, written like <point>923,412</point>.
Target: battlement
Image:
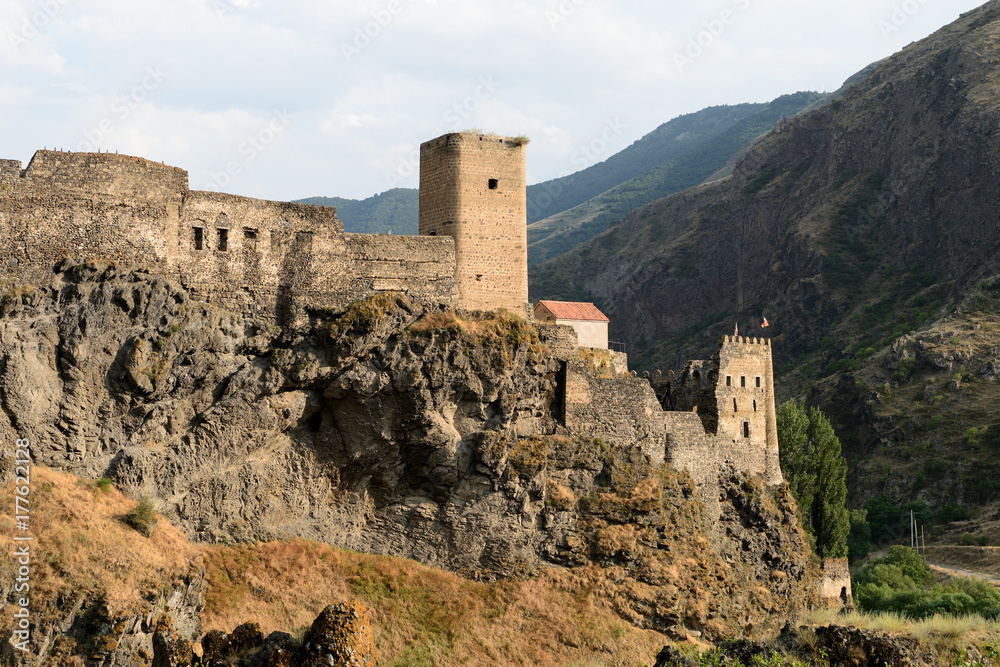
<point>744,342</point>
<point>105,174</point>
<point>489,141</point>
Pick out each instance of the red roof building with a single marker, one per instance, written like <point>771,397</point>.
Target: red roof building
<point>590,324</point>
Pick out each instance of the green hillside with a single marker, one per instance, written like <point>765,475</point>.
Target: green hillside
<point>671,140</point>
<point>393,210</point>
<point>692,164</point>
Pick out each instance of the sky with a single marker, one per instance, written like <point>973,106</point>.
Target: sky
<point>296,98</point>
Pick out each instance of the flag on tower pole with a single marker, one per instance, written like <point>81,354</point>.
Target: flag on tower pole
<point>765,324</point>
<point>736,332</point>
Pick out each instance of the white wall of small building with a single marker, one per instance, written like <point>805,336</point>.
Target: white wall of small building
<point>590,333</point>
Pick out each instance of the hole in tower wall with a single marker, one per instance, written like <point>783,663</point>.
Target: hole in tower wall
<point>729,380</point>
<point>494,183</point>
<point>758,381</point>
<point>223,239</point>
<point>735,409</point>
<point>199,238</point>
<point>746,429</point>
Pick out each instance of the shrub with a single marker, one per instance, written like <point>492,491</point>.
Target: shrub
<point>952,512</point>
<point>970,540</point>
<point>901,583</point>
<point>142,517</point>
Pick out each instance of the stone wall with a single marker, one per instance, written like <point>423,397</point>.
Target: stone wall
<point>37,230</point>
<point>472,188</point>
<point>835,583</point>
<point>689,447</point>
<point>423,266</point>
<point>261,258</point>
<point>251,254</point>
<point>10,171</point>
<point>619,362</point>
<point>562,341</point>
<point>105,174</point>
<point>623,411</point>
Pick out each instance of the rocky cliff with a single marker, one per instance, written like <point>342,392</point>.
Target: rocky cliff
<point>863,202</point>
<point>389,428</point>
<point>861,229</point>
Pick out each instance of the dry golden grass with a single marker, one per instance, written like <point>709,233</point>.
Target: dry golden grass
<point>424,616</point>
<point>421,616</point>
<point>943,632</point>
<point>600,362</point>
<point>81,546</point>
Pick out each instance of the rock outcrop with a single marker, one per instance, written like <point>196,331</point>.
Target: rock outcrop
<point>834,645</point>
<point>389,428</point>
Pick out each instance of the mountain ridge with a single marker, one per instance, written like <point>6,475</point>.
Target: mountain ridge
<point>848,227</point>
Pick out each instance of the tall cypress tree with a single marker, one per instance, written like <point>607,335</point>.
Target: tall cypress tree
<point>816,472</point>
<point>831,520</point>
<point>797,452</point>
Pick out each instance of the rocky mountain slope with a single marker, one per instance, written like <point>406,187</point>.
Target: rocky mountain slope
<point>848,227</point>
<point>392,428</point>
<point>689,164</point>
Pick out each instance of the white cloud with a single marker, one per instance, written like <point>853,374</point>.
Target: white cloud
<point>557,70</point>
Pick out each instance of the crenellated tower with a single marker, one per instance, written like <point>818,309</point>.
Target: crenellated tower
<point>472,188</point>
<point>744,398</point>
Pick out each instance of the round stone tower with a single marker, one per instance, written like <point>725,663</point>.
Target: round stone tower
<point>472,188</point>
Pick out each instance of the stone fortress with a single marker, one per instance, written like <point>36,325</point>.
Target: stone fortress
<point>277,261</point>
<point>272,259</point>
